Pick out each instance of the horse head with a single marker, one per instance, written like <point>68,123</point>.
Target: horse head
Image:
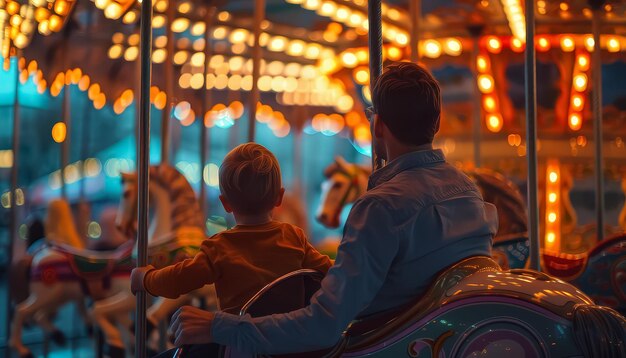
<point>126,220</point>
<point>344,183</point>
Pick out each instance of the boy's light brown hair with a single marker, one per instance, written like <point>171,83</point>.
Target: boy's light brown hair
<point>250,179</point>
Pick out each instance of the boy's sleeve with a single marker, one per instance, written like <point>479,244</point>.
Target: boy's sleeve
<point>313,259</point>
<point>183,277</point>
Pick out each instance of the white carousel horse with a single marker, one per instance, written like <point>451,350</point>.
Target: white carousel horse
<point>176,232</point>
<point>55,277</point>
<point>346,182</point>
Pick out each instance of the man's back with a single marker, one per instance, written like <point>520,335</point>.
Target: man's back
<point>438,218</point>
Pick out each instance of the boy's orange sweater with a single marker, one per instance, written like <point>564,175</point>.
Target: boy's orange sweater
<point>240,262</point>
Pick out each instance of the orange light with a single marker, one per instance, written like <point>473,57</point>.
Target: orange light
<point>58,132</point>
<point>517,45</point>
<point>583,62</point>
<point>567,44</point>
<point>551,237</point>
<point>485,83</point>
<point>552,217</point>
<point>553,177</point>
<point>575,121</point>
<point>494,123</point>
<point>577,102</point>
<point>362,75</point>
<point>482,64</point>
<point>552,197</point>
<point>543,44</point>
<point>494,45</point>
<point>353,118</point>
<point>580,82</point>
<point>489,103</point>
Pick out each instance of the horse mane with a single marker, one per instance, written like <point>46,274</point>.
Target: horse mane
<point>186,209</point>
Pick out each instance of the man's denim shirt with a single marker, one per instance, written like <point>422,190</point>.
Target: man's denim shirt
<point>419,216</point>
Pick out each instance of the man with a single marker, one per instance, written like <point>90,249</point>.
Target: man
<point>419,216</point>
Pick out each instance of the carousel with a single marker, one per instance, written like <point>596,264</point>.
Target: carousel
<point>116,115</point>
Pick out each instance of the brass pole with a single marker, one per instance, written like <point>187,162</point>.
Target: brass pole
<point>142,166</point>
<point>259,15</point>
<point>531,134</point>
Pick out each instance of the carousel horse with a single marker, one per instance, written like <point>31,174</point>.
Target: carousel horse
<point>60,272</point>
<point>346,182</point>
<point>472,309</point>
<point>176,232</point>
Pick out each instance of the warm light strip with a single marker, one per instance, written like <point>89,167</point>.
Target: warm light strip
<point>552,213</point>
<point>353,18</point>
<point>515,16</point>
<point>487,86</point>
<point>578,90</point>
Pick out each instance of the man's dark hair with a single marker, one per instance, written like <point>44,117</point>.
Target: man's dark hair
<point>407,99</point>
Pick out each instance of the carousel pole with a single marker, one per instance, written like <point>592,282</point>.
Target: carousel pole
<point>375,43</point>
<point>206,103</point>
<point>475,31</point>
<point>259,15</point>
<point>596,71</point>
<point>530,74</point>
<point>13,192</point>
<point>169,84</point>
<point>142,167</point>
<point>415,9</point>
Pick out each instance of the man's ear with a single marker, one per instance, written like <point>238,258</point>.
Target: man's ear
<point>226,204</point>
<point>279,200</point>
<point>378,126</point>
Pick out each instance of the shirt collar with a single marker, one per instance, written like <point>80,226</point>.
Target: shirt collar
<point>411,160</point>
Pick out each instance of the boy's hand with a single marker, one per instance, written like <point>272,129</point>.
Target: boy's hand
<point>137,277</point>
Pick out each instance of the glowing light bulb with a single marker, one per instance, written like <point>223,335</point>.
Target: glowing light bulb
<point>494,45</point>
<point>485,83</point>
<point>580,82</point>
<point>553,177</point>
<point>552,217</point>
<point>575,121</point>
<point>567,44</point>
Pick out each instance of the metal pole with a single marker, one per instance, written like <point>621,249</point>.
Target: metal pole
<point>13,195</point>
<point>206,104</point>
<point>415,8</point>
<point>259,15</point>
<point>531,134</point>
<point>169,84</point>
<point>477,123</point>
<point>375,43</point>
<point>596,72</point>
<point>66,118</point>
<point>142,167</point>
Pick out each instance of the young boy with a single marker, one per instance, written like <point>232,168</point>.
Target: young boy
<point>244,259</point>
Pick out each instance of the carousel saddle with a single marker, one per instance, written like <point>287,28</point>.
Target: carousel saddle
<point>91,265</point>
